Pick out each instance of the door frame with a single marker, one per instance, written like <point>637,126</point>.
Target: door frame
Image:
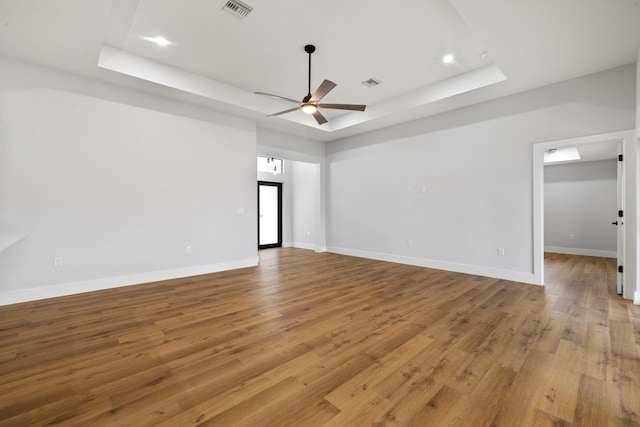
<point>620,219</point>
<point>279,187</point>
<point>627,138</point>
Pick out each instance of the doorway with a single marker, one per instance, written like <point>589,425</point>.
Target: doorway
<point>538,213</point>
<point>269,214</point>
<point>582,203</point>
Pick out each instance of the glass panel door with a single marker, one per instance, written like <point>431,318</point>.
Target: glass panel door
<point>269,214</point>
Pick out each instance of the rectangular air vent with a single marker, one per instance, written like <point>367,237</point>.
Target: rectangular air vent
<point>371,82</point>
<point>237,9</point>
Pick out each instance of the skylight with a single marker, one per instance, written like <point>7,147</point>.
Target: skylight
<point>565,154</point>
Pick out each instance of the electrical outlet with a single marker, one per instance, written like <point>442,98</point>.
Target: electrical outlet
<point>57,261</point>
<point>572,237</point>
<point>188,249</point>
<point>409,242</point>
<point>409,189</point>
<point>500,251</point>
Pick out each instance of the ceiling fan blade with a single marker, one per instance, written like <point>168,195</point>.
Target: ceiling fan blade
<point>278,97</point>
<point>284,112</point>
<point>319,118</point>
<point>354,107</point>
<point>324,88</point>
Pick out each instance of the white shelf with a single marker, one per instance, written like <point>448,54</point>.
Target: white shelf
<point>7,240</point>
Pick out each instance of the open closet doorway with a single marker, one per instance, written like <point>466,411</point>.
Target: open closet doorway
<point>614,144</point>
<point>582,204</point>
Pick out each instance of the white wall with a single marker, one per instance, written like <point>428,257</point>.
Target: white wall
<point>638,96</point>
<point>475,165</point>
<point>289,147</point>
<point>117,184</point>
<point>580,201</point>
<point>304,186</point>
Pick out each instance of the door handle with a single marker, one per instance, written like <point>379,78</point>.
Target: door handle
<point>614,223</point>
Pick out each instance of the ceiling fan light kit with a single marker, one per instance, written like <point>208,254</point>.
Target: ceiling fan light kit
<point>310,103</point>
<point>309,108</point>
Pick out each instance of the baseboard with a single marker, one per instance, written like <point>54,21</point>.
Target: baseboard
<point>578,251</point>
<point>32,294</point>
<point>515,276</point>
<point>309,246</point>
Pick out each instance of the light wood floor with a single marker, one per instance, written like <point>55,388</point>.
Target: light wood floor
<point>322,339</point>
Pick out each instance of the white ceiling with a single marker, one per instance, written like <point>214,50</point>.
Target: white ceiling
<point>501,47</point>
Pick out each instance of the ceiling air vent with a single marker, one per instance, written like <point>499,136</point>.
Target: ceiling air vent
<point>371,82</point>
<point>237,9</point>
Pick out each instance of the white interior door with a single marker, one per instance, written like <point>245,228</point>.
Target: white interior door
<point>620,222</point>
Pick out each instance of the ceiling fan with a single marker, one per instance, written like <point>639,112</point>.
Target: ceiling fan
<point>310,103</point>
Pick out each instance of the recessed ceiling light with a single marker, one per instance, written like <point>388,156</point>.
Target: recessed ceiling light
<point>160,41</point>
<point>448,59</point>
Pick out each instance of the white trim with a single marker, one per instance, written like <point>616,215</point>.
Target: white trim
<point>515,276</point>
<point>578,251</point>
<point>636,299</point>
<point>32,294</point>
<point>309,246</point>
<point>538,213</point>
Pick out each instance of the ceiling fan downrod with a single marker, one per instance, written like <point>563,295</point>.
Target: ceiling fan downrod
<point>309,49</point>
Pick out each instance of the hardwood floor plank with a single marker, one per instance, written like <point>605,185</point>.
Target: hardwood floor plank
<point>520,404</point>
<point>623,345</point>
<point>416,383</point>
<point>480,405</point>
<point>362,408</point>
<point>596,405</point>
<point>319,339</point>
<point>551,334</point>
<point>379,370</point>
<point>541,418</point>
<point>439,410</point>
<point>557,397</point>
